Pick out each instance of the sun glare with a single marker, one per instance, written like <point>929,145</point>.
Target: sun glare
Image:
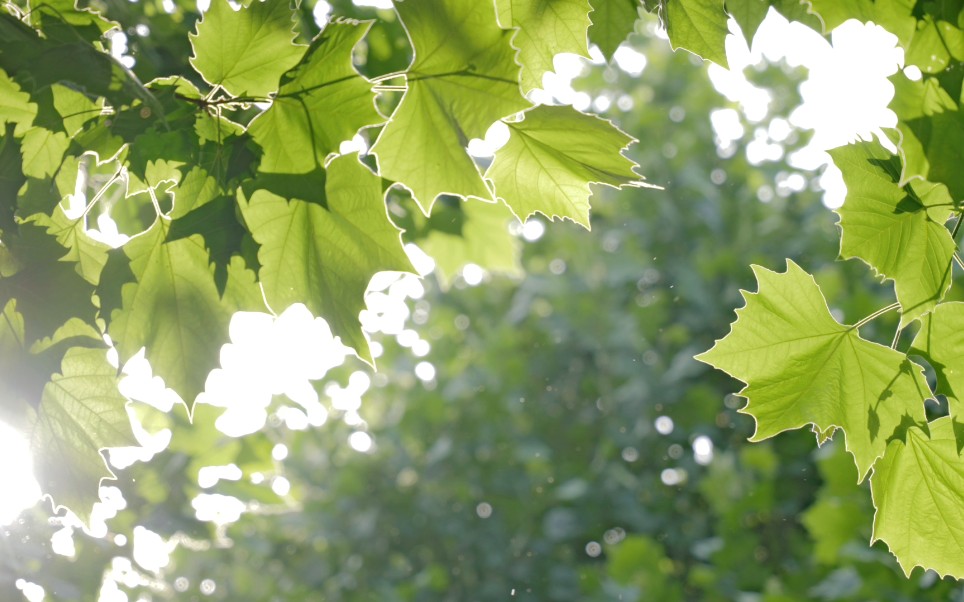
<point>20,489</point>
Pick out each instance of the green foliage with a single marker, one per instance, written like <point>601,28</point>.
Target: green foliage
<point>227,174</point>
<point>901,216</point>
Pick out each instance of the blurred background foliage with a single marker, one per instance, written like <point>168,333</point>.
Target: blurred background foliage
<point>568,447</point>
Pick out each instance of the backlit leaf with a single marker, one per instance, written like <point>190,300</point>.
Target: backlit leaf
<point>551,157</point>
<point>323,251</point>
<point>698,26</point>
<point>462,79</point>
<point>245,51</point>
<point>899,231</point>
<point>297,133</point>
<point>81,413</point>
<point>612,21</point>
<point>917,486</point>
<point>545,28</point>
<point>801,367</point>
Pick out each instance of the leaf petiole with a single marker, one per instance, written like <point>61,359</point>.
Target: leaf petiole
<point>876,315</point>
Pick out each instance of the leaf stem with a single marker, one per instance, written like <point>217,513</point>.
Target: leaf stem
<point>378,89</point>
<point>388,76</point>
<point>101,192</point>
<point>876,315</point>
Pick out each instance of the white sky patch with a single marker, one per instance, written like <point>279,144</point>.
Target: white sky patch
<point>845,97</point>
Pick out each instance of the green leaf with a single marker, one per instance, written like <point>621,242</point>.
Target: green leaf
<point>169,305</point>
<point>551,157</point>
<point>941,342</point>
<point>246,51</point>
<point>298,131</point>
<point>545,28</point>
<point>748,15</point>
<point>49,291</point>
<point>323,251</point>
<point>484,239</point>
<point>88,255</point>
<point>698,26</point>
<point>15,105</point>
<point>612,22</point>
<point>918,487</point>
<point>43,152</point>
<point>942,139</point>
<point>462,79</point>
<point>81,413</point>
<point>934,44</point>
<point>802,367</point>
<point>898,231</point>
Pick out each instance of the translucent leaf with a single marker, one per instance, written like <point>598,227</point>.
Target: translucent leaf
<point>169,305</point>
<point>322,241</point>
<point>245,51</point>
<point>552,156</point>
<point>298,131</point>
<point>748,14</point>
<point>545,28</point>
<point>81,413</point>
<point>941,341</point>
<point>463,78</point>
<point>15,105</point>
<point>918,487</point>
<point>698,26</point>
<point>612,22</point>
<point>899,231</point>
<point>804,368</point>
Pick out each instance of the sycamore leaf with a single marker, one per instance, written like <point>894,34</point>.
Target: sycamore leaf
<point>49,291</point>
<point>803,367</point>
<point>43,152</point>
<point>323,251</point>
<point>15,105</point>
<point>483,239</point>
<point>169,305</point>
<point>898,231</point>
<point>245,51</point>
<point>298,131</point>
<point>462,79</point>
<point>698,26</point>
<point>612,21</point>
<point>545,28</point>
<point>748,15</point>
<point>89,255</point>
<point>941,137</point>
<point>552,156</point>
<point>917,488</point>
<point>941,342</point>
<point>81,413</point>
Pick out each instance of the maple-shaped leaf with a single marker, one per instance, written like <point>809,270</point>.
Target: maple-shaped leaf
<point>168,304</point>
<point>321,244</point>
<point>551,157</point>
<point>698,26</point>
<point>612,21</point>
<point>81,412</point>
<point>483,238</point>
<point>15,105</point>
<point>463,78</point>
<point>87,254</point>
<point>898,230</point>
<point>49,291</point>
<point>299,131</point>
<point>545,28</point>
<point>801,367</point>
<point>245,51</point>
<point>917,488</point>
<point>941,342</point>
<point>43,151</point>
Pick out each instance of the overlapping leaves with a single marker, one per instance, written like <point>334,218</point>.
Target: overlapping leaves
<point>227,183</point>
